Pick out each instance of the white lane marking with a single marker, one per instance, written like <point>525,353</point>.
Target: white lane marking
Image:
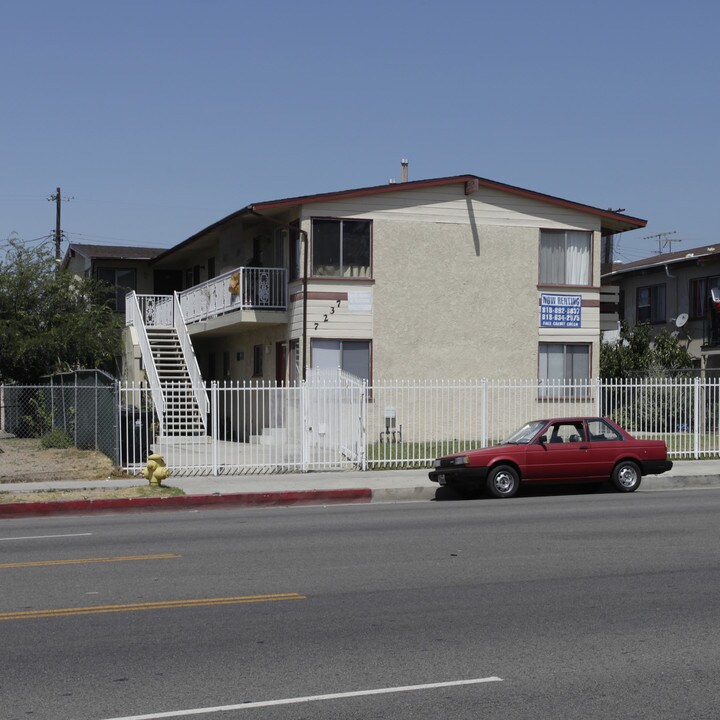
<point>44,537</point>
<point>309,698</point>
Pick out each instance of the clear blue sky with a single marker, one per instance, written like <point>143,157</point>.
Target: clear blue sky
<point>160,117</point>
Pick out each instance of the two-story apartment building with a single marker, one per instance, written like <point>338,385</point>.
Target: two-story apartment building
<point>125,267</point>
<point>452,277</point>
<point>674,291</point>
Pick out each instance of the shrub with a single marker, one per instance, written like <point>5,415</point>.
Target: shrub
<point>56,438</point>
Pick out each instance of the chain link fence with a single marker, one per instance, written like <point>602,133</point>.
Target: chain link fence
<point>70,410</point>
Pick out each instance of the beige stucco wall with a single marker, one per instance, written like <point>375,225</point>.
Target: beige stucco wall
<point>451,305</point>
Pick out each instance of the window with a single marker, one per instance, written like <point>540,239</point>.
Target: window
<point>566,432</point>
<point>341,248</point>
<point>699,292</point>
<point>563,366</point>
<point>352,356</point>
<point>565,257</point>
<point>600,431</point>
<point>257,360</point>
<point>650,304</point>
<point>123,280</point>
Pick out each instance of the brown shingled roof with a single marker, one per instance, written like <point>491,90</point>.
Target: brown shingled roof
<point>672,258</point>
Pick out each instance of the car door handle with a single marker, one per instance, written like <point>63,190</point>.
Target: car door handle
<point>584,447</point>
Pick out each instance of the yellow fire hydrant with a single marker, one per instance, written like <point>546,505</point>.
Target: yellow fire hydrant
<point>156,470</point>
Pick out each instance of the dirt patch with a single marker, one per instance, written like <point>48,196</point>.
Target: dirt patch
<point>25,460</point>
<point>8,496</point>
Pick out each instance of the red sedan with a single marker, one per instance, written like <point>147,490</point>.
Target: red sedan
<point>558,450</point>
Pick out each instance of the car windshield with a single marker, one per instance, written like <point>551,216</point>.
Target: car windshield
<point>525,434</point>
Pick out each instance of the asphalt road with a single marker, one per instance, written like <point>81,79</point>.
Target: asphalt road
<point>566,606</point>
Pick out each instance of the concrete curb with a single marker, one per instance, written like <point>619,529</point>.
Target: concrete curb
<point>276,498</point>
<point>184,502</point>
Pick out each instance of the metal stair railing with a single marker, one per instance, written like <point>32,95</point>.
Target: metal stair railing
<point>191,362</point>
<point>136,317</point>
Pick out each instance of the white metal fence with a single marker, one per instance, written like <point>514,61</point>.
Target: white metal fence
<point>334,421</point>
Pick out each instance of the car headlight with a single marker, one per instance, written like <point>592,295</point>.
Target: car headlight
<point>460,460</point>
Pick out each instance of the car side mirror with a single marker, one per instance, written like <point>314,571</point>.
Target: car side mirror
<point>543,439</point>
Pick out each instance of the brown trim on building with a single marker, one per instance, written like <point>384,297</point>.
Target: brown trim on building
<point>319,295</point>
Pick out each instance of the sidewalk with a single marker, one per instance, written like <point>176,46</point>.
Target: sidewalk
<point>298,488</point>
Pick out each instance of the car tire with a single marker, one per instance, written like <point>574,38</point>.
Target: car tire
<point>626,476</point>
<point>503,481</point>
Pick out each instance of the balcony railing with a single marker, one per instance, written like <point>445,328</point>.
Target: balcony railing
<point>245,288</point>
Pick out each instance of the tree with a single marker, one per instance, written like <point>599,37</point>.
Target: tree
<point>637,353</point>
<point>51,320</point>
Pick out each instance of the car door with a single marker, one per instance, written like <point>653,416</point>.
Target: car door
<point>562,456</point>
<point>606,443</point>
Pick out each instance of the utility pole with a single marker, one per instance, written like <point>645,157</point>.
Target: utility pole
<point>57,199</point>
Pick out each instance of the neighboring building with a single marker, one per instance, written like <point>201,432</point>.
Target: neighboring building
<point>674,291</point>
<point>457,277</point>
<point>125,267</point>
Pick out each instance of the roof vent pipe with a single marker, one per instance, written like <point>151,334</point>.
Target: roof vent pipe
<point>404,165</point>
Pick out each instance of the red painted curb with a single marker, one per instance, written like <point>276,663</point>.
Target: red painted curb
<point>181,502</point>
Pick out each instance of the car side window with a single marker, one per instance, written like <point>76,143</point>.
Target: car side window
<point>566,433</point>
<point>600,431</point>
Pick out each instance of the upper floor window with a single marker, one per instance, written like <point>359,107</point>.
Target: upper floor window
<point>650,304</point>
<point>699,292</point>
<point>565,257</point>
<point>341,248</point>
<point>123,280</point>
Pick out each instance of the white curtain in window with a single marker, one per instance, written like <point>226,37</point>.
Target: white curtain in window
<point>578,258</point>
<point>552,258</point>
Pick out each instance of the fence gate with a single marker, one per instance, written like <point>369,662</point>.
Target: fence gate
<point>335,420</point>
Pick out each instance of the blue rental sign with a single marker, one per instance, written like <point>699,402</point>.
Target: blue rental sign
<point>560,311</point>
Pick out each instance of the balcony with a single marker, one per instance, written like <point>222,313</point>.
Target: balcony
<point>244,288</point>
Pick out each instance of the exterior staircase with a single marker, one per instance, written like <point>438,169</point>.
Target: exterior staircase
<point>182,416</point>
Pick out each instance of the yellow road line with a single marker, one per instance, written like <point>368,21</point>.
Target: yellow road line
<point>161,605</point>
<point>82,561</point>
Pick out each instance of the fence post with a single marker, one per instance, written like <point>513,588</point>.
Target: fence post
<point>214,424</point>
<point>696,418</point>
<point>303,420</point>
<point>363,425</point>
<point>118,420</point>
<point>598,397</point>
<point>483,413</point>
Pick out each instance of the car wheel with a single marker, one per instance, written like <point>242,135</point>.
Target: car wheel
<point>626,476</point>
<point>503,481</point>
